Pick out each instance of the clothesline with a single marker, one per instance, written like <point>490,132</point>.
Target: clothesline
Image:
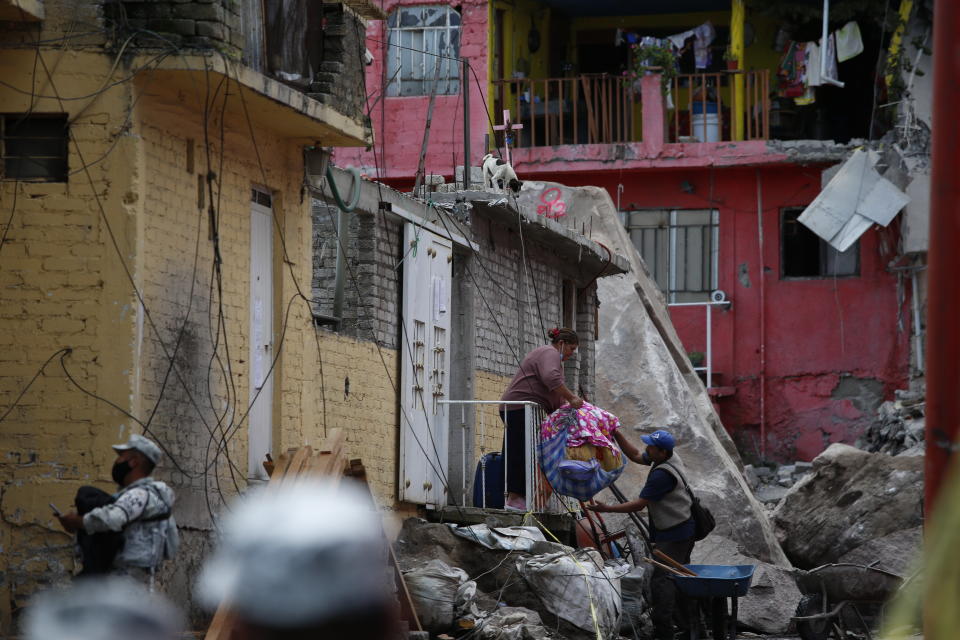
<point>799,69</point>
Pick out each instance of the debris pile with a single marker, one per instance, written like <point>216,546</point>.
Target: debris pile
<point>899,428</point>
<point>771,483</point>
<point>508,582</point>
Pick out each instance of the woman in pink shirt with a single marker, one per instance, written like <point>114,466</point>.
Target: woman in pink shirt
<point>539,379</point>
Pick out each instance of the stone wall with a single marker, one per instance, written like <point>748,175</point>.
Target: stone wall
<point>516,289</point>
<point>204,24</point>
<point>372,286</point>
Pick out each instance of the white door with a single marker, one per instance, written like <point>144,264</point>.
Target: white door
<point>424,378</point>
<point>260,420</point>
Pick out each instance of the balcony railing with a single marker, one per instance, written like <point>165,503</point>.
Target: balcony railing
<point>539,494</point>
<point>586,109</point>
<point>705,105</point>
<point>604,109</point>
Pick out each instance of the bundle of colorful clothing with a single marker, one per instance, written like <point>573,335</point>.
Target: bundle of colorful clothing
<point>578,453</point>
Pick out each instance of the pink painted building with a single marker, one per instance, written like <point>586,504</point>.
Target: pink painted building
<point>709,170</point>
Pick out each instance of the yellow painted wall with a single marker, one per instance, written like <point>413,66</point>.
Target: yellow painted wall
<point>519,16</point>
<point>61,287</point>
<point>488,386</point>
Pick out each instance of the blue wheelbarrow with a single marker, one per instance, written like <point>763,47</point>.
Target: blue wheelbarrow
<point>712,585</point>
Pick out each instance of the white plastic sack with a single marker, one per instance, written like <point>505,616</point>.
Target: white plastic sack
<point>568,583</point>
<point>505,538</point>
<point>434,589</point>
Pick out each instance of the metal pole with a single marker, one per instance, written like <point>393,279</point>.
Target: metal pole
<point>709,346</point>
<point>463,455</point>
<point>943,293</point>
<point>465,88</point>
<point>917,332</point>
<point>763,322</point>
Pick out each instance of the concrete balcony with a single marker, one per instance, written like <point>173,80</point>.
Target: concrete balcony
<point>599,123</point>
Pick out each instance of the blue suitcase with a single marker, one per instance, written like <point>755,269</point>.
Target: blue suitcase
<point>489,480</point>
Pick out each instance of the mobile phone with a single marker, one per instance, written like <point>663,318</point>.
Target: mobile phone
<point>56,511</point>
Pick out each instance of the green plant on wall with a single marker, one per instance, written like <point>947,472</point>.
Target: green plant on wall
<point>649,58</point>
<point>696,358</point>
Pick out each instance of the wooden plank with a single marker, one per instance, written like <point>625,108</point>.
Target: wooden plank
<point>221,627</point>
<point>588,99</point>
<point>330,459</point>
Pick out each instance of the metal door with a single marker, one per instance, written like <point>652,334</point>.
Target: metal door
<point>260,420</point>
<point>424,378</point>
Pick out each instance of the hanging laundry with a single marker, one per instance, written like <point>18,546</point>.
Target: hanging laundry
<point>791,72</point>
<point>849,42</point>
<point>704,36</point>
<point>680,39</point>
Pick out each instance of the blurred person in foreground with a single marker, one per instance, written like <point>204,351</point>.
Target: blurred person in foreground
<point>102,608</point>
<point>303,560</point>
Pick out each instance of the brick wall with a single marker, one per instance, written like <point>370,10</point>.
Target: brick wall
<point>60,287</point>
<point>337,44</point>
<point>371,289</point>
<point>214,23</point>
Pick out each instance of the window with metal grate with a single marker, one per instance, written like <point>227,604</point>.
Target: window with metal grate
<point>34,146</point>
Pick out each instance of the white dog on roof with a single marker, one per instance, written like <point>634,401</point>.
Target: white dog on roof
<point>498,175</point>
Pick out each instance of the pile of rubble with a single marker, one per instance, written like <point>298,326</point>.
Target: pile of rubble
<point>509,582</point>
<point>771,483</point>
<point>899,427</point>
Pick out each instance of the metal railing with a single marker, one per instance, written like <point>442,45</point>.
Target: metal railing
<point>585,109</point>
<point>699,99</point>
<point>540,496</point>
<point>714,302</point>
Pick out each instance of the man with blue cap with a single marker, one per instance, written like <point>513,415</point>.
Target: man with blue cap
<point>668,501</point>
<point>131,532</point>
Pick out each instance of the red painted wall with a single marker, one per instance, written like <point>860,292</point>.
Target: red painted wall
<point>834,348</point>
<point>399,122</point>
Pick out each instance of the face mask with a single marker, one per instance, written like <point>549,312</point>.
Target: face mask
<point>120,471</point>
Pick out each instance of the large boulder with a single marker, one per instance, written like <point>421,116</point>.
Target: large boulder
<point>897,552</point>
<point>773,596</point>
<point>643,376</point>
<point>850,498</point>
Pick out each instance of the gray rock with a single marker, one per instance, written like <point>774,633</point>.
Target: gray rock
<point>635,588</point>
<point>802,466</point>
<point>850,497</point>
<point>763,472</point>
<point>750,475</point>
<point>643,376</point>
<point>773,596</point>
<point>897,552</point>
<point>771,493</point>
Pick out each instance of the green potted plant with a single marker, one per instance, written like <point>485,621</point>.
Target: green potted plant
<point>655,58</point>
<point>696,358</point>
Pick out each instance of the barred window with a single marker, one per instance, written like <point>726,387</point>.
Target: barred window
<point>418,35</point>
<point>34,147</point>
<point>680,248</point>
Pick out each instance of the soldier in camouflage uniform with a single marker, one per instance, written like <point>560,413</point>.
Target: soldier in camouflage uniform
<point>141,510</point>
